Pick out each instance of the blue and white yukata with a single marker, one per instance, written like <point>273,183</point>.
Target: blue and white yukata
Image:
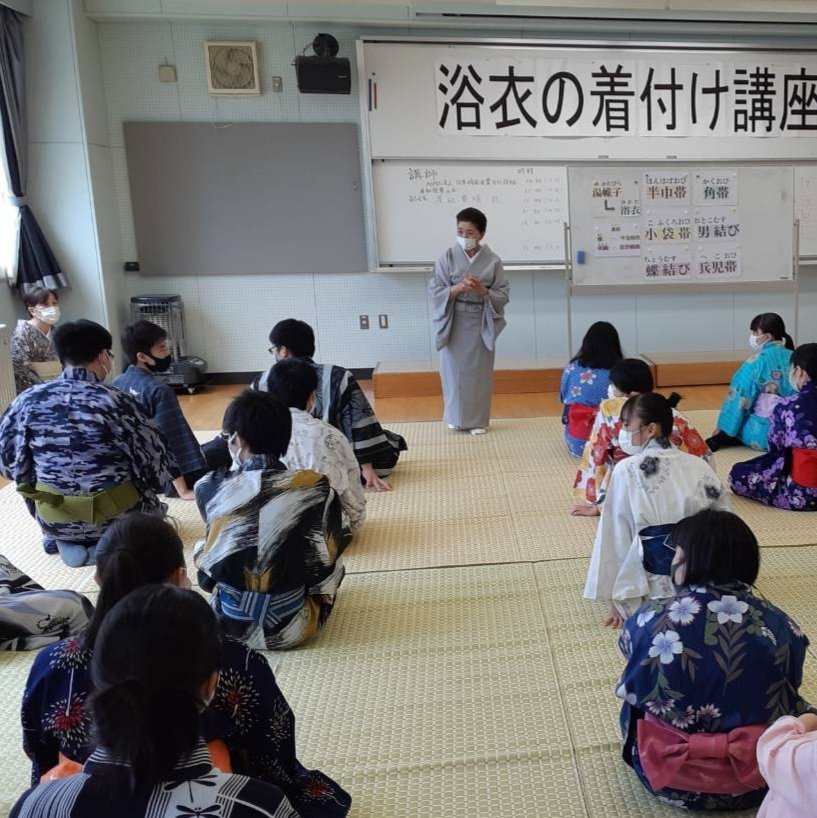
<point>581,391</point>
<point>86,454</point>
<point>757,386</point>
<point>707,660</point>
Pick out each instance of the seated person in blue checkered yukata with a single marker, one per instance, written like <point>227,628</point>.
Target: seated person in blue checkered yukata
<point>146,349</point>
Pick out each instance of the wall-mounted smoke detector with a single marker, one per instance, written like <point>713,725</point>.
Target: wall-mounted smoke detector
<point>232,67</point>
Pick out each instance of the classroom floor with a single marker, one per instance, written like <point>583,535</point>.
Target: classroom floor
<point>461,672</point>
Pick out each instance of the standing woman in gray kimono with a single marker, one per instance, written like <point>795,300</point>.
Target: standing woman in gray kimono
<point>469,292</point>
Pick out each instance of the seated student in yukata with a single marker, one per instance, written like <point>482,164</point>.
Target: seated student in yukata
<point>339,401</point>
<point>708,668</point>
<point>316,445</point>
<point>756,387</point>
<point>145,346</point>
<point>32,347</point>
<point>155,669</point>
<point>31,617</point>
<point>786,476</point>
<point>649,491</point>
<point>586,383</point>
<point>629,377</point>
<point>81,450</point>
<point>271,554</point>
<point>787,758</point>
<point>248,724</point>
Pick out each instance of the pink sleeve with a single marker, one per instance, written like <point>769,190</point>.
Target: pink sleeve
<point>787,758</point>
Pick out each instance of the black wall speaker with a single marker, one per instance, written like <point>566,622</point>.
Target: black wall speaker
<point>323,75</point>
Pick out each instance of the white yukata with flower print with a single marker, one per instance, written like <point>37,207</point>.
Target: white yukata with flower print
<point>659,486</point>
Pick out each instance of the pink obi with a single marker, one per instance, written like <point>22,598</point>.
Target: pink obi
<point>718,763</point>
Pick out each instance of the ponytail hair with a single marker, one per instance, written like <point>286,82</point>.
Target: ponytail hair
<point>650,407</point>
<point>137,549</point>
<point>772,324</point>
<point>674,399</point>
<point>153,655</point>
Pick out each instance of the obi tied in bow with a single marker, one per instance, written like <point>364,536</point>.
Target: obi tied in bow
<point>717,763</point>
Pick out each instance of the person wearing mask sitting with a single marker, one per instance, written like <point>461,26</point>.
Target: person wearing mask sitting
<point>653,488</point>
<point>628,377</point>
<point>708,668</point>
<point>586,383</point>
<point>248,724</point>
<point>756,387</point>
<point>145,346</point>
<point>82,451</point>
<point>154,671</point>
<point>273,540</point>
<point>786,476</point>
<point>316,445</point>
<point>32,349</point>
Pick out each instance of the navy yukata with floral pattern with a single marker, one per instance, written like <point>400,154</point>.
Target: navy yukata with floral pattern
<point>767,479</point>
<point>709,660</point>
<point>249,714</point>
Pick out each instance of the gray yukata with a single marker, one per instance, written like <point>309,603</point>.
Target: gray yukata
<point>466,330</point>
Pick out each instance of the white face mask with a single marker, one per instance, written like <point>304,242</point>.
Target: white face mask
<point>466,243</point>
<point>235,451</point>
<point>794,383</point>
<point>611,391</point>
<point>625,443</point>
<point>754,341</point>
<point>48,315</point>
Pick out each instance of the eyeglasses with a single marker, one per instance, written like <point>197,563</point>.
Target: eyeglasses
<point>110,354</point>
<point>271,350</point>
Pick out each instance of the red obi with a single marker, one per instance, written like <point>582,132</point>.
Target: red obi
<point>804,467</point>
<point>580,420</point>
<point>718,763</point>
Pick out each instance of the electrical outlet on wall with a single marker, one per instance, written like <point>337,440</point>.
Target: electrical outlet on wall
<point>277,84</point>
<point>364,322</point>
<point>383,320</point>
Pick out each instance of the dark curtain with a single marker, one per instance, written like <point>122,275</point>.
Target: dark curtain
<point>36,265</point>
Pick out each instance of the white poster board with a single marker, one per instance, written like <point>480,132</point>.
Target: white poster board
<point>695,224</point>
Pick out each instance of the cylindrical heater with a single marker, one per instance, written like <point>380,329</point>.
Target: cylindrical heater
<point>187,371</point>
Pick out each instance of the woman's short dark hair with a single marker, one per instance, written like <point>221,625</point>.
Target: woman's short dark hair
<point>78,343</point>
<point>719,548</point>
<point>475,217</point>
<point>601,347</point>
<point>805,356</point>
<point>141,337</point>
<point>38,296</point>
<point>261,420</point>
<point>297,336</point>
<point>650,407</point>
<point>631,375</point>
<point>135,550</point>
<point>293,381</point>
<point>156,650</point>
<point>772,324</point>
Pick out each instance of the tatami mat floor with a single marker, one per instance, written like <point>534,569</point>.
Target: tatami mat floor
<point>483,686</point>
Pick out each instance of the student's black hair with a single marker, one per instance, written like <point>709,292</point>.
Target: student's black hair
<point>80,342</point>
<point>773,324</point>
<point>650,407</point>
<point>261,420</point>
<point>631,375</point>
<point>297,336</point>
<point>719,548</point>
<point>475,217</point>
<point>135,550</point>
<point>141,337</point>
<point>292,381</point>
<point>601,347</point>
<point>38,296</point>
<point>156,650</point>
<point>805,356</point>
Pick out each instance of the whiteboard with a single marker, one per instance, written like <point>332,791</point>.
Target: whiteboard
<point>416,204</point>
<point>656,224</point>
<point>805,207</point>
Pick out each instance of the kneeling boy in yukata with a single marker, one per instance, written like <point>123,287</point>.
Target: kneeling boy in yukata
<point>271,554</point>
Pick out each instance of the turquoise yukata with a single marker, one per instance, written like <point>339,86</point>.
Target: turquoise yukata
<point>757,386</point>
